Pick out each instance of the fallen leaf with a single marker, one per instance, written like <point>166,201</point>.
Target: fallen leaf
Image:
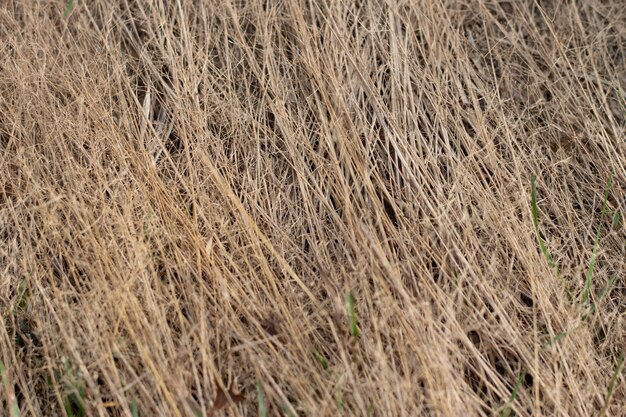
<point>225,398</point>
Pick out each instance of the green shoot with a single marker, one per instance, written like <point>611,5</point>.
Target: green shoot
<point>321,359</point>
<point>287,410</point>
<point>354,329</point>
<point>134,411</point>
<point>339,400</point>
<point>262,404</point>
<point>542,245</point>
<point>613,383</point>
<point>506,412</point>
<point>68,8</point>
<point>74,393</point>
<point>557,338</point>
<point>22,295</point>
<point>592,261</point>
<point>618,369</point>
<point>617,219</point>
<point>73,404</point>
<point>607,288</point>
<point>535,214</point>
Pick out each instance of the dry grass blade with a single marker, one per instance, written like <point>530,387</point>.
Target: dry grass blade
<point>330,197</point>
<point>13,406</point>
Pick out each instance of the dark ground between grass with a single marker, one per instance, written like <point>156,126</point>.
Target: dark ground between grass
<point>312,208</point>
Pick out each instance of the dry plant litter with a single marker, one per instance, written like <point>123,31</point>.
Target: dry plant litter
<point>312,208</point>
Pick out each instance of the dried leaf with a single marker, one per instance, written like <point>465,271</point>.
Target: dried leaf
<point>225,398</point>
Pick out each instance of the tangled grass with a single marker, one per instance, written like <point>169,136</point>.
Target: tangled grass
<point>312,208</point>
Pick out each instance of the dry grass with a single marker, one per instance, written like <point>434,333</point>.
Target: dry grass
<point>312,208</point>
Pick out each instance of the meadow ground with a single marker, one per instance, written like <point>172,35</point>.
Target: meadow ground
<point>312,208</point>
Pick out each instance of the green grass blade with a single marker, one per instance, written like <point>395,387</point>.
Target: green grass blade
<point>22,295</point>
<point>3,377</point>
<point>617,219</point>
<point>592,261</point>
<point>618,370</point>
<point>339,400</point>
<point>354,328</point>
<point>557,338</point>
<point>68,8</point>
<point>607,288</point>
<point>68,408</point>
<point>262,404</point>
<point>15,409</point>
<point>74,406</point>
<point>134,409</point>
<point>321,359</point>
<point>287,410</point>
<point>506,412</point>
<point>535,214</point>
<point>612,384</point>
